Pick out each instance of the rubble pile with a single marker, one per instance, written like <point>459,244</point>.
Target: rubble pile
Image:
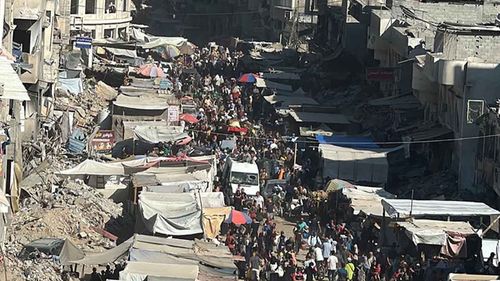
<point>55,214</point>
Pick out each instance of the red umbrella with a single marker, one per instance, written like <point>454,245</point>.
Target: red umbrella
<point>189,118</point>
<point>238,217</point>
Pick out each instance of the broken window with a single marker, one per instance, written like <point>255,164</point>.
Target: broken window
<point>74,7</point>
<point>27,34</point>
<point>109,33</point>
<point>110,6</point>
<point>90,7</point>
<point>125,5</point>
<point>475,109</point>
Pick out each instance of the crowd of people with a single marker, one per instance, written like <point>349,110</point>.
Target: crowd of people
<point>324,244</point>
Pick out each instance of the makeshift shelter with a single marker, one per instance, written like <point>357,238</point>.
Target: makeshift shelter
<point>70,252</point>
<point>167,251</point>
<point>366,199</point>
<point>316,117</point>
<point>434,232</point>
<point>175,214</point>
<point>404,208</point>
<point>139,271</point>
<point>263,83</point>
<point>157,134</point>
<point>358,165</point>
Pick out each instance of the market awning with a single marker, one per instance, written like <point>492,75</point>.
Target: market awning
<point>122,52</point>
<point>144,102</point>
<point>402,208</point>
<point>315,117</point>
<point>357,165</point>
<point>157,134</point>
<point>281,76</point>
<point>367,199</point>
<point>172,272</point>
<point>315,131</point>
<point>11,87</point>
<point>263,83</point>
<point>348,141</point>
<point>434,232</point>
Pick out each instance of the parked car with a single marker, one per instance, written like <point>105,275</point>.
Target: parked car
<point>48,246</point>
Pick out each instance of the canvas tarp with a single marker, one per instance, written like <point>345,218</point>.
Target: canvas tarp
<point>139,271</point>
<point>164,41</point>
<point>69,253</point>
<point>281,76</point>
<point>92,167</point>
<point>263,83</point>
<point>359,165</point>
<point>122,52</point>
<point>72,85</point>
<point>434,232</point>
<point>176,187</point>
<point>213,219</point>
<point>315,117</point>
<point>143,102</point>
<point>401,208</point>
<point>367,199</point>
<point>107,256</point>
<point>176,214</point>
<point>157,134</point>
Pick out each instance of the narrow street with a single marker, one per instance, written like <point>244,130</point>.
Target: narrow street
<point>269,140</point>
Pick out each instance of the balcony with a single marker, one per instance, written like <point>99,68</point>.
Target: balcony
<point>108,18</point>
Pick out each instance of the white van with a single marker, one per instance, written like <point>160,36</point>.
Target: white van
<point>242,174</point>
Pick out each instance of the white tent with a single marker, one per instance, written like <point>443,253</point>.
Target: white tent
<point>139,271</point>
<point>367,199</point>
<point>434,232</point>
<point>157,134</point>
<point>176,214</point>
<point>402,208</point>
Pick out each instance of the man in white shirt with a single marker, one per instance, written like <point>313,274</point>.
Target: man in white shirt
<point>332,263</point>
<point>259,200</point>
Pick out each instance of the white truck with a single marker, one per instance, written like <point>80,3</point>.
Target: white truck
<point>241,174</point>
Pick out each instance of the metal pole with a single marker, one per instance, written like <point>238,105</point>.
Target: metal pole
<point>411,202</point>
<point>201,207</point>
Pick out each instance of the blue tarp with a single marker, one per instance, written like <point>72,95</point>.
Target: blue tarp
<point>348,141</point>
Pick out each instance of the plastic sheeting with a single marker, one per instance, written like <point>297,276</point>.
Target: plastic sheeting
<point>69,253</point>
<point>367,199</point>
<point>143,102</point>
<point>434,232</point>
<point>139,271</point>
<point>108,256</point>
<point>314,117</point>
<point>419,208</point>
<point>176,214</point>
<point>176,187</point>
<point>157,134</point>
<point>164,41</point>
<point>72,85</point>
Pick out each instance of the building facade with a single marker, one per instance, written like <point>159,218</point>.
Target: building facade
<point>98,19</point>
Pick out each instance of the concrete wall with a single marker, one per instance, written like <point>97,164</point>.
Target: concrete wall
<point>101,20</point>
<point>450,12</point>
<point>478,45</point>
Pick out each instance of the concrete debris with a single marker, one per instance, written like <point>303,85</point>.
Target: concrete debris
<point>53,214</point>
